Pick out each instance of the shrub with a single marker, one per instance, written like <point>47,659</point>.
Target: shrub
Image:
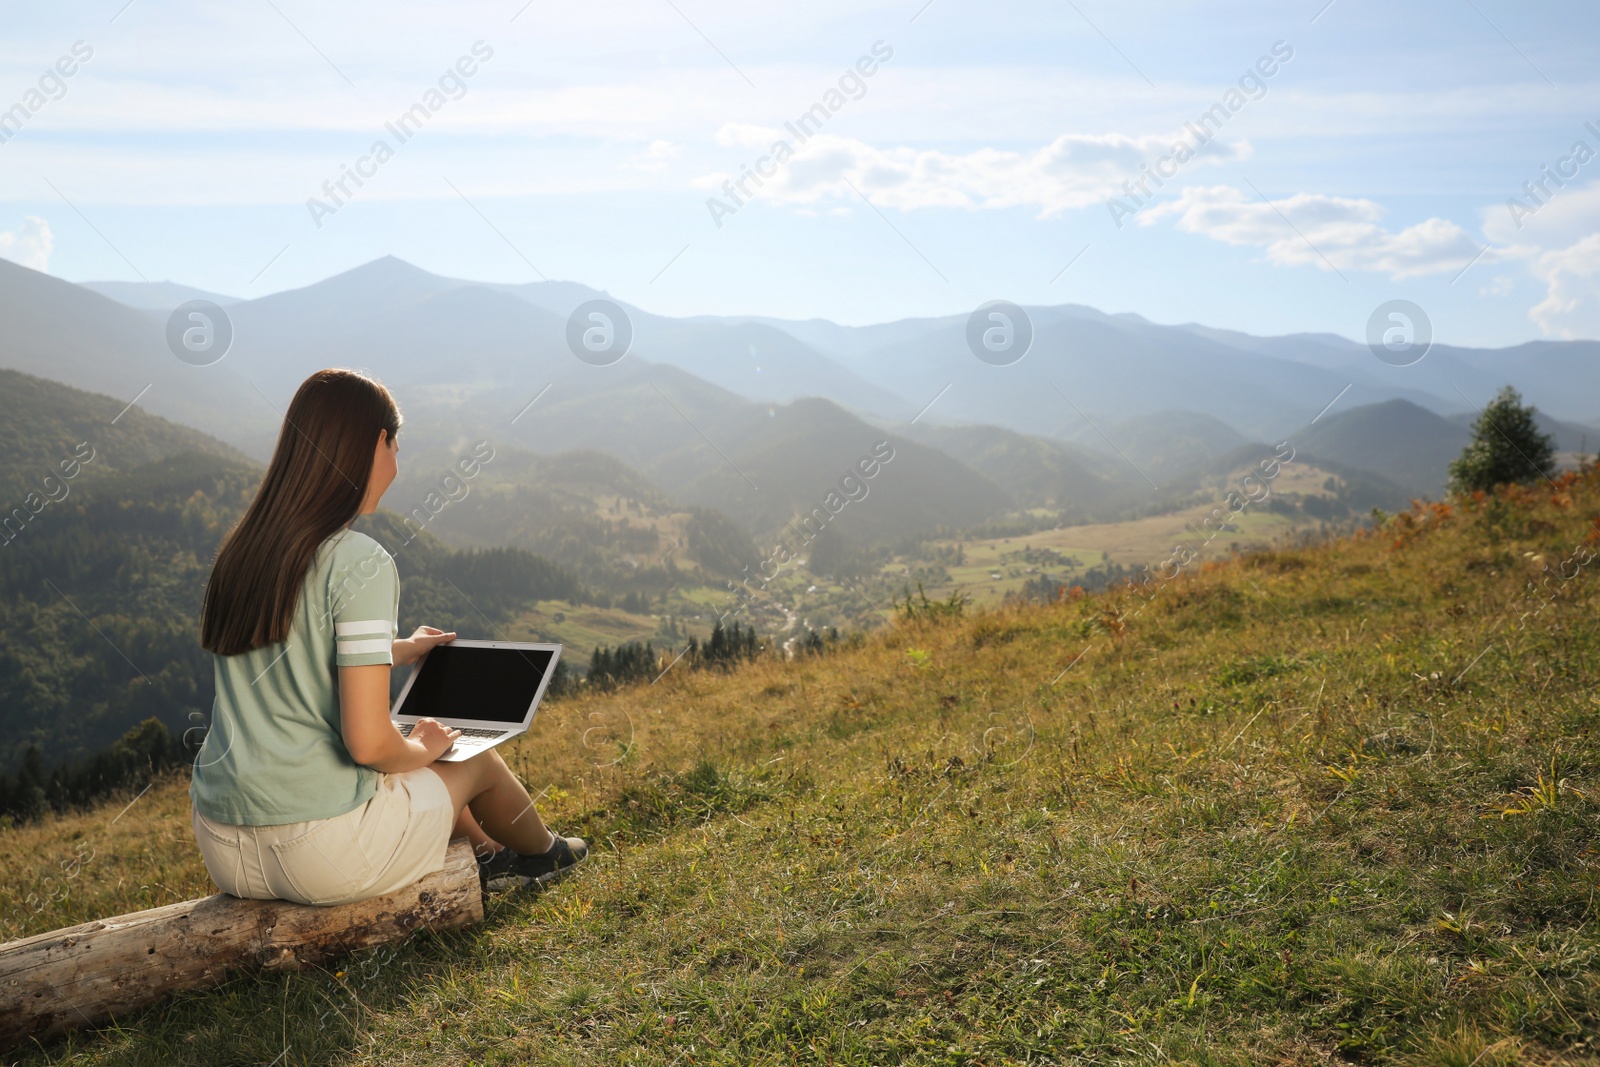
<point>920,607</point>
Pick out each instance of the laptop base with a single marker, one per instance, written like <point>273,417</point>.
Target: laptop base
<point>471,742</point>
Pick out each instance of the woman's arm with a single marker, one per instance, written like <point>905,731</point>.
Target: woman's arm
<point>370,734</point>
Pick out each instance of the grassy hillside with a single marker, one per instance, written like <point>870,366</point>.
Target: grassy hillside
<point>1335,803</point>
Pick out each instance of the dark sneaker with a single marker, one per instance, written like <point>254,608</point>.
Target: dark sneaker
<point>509,868</point>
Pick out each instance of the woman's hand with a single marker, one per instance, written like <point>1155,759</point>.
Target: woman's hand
<point>369,733</point>
<point>410,649</point>
<point>434,737</point>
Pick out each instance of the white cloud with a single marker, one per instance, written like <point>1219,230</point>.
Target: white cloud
<point>1499,285</point>
<point>1346,233</point>
<point>656,158</point>
<point>1560,243</point>
<point>1571,307</point>
<point>29,244</point>
<point>1072,171</point>
<point>1571,211</point>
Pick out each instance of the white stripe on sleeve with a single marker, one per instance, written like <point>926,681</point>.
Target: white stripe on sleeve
<point>366,626</point>
<point>361,648</point>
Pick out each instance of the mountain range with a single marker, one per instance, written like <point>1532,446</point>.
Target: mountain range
<point>755,417</point>
<point>655,479</point>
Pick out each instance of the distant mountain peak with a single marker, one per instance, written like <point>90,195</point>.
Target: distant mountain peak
<point>385,280</point>
<point>1394,408</point>
<point>387,268</point>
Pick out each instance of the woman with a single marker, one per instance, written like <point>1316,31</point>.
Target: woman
<point>304,789</point>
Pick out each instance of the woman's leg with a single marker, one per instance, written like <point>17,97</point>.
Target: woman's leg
<point>498,802</point>
<point>467,827</point>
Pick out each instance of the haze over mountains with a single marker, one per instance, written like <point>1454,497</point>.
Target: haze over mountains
<point>756,417</point>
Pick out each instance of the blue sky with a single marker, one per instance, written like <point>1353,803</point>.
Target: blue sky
<point>975,163</point>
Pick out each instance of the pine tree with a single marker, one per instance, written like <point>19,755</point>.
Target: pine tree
<point>729,645</point>
<point>627,663</point>
<point>1507,446</point>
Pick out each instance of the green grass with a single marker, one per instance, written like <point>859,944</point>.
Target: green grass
<point>1337,804</point>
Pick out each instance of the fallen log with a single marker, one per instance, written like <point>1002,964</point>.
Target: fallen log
<point>86,974</point>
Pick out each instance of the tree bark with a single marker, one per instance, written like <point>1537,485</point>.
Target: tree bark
<point>87,974</point>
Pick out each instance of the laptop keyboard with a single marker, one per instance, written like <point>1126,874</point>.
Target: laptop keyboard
<point>405,731</point>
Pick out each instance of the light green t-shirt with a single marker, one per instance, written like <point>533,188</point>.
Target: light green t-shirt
<point>275,752</point>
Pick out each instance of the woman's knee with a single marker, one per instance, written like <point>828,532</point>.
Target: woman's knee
<point>489,765</point>
<point>470,778</point>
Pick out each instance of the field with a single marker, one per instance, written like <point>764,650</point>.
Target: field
<point>1148,540</point>
<point>991,569</point>
<point>1338,803</point>
<point>581,628</point>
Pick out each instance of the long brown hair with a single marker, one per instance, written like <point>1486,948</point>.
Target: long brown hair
<point>314,486</point>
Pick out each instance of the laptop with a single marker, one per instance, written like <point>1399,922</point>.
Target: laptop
<point>488,690</point>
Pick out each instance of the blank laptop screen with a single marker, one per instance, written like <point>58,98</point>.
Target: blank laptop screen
<point>492,684</point>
